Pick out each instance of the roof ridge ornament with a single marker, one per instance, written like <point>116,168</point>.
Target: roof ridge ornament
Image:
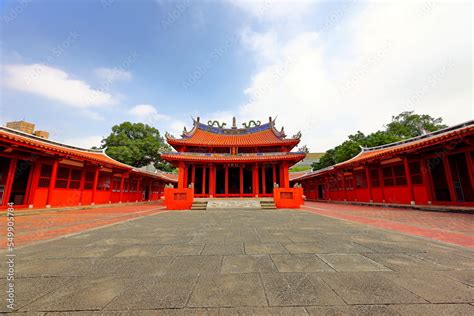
<point>169,136</point>
<point>234,123</point>
<point>297,135</point>
<point>216,123</point>
<point>252,123</point>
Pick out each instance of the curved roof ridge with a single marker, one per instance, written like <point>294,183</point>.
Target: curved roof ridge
<point>52,142</point>
<point>416,138</point>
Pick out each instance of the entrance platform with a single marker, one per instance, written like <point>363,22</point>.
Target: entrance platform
<point>234,203</point>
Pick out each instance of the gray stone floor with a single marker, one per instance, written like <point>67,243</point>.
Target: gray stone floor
<point>243,262</point>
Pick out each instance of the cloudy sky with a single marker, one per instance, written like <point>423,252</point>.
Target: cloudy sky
<point>326,68</point>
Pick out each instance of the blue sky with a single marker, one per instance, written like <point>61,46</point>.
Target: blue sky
<point>75,68</point>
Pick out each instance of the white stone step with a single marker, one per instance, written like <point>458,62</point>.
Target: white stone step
<point>233,204</point>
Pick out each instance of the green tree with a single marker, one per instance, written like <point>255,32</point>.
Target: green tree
<point>408,124</point>
<point>405,125</point>
<point>137,144</point>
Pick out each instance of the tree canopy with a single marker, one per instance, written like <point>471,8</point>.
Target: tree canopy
<point>405,125</point>
<point>136,144</point>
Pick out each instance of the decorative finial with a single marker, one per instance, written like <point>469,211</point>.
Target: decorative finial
<point>252,123</point>
<point>297,135</point>
<point>215,123</point>
<point>234,123</point>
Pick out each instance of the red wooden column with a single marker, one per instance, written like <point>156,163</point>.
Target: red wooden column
<point>94,185</point>
<point>379,170</point>
<point>241,178</point>
<point>470,168</point>
<point>204,179</point>
<point>264,184</point>
<point>369,183</point>
<point>33,182</point>
<point>181,175</point>
<point>111,184</point>
<point>344,186</point>
<point>122,183</point>
<point>274,173</point>
<point>185,175</point>
<point>139,181</point>
<point>193,175</point>
<point>81,183</point>
<point>226,179</point>
<point>52,182</point>
<point>212,180</point>
<point>409,182</point>
<point>426,179</point>
<point>255,180</point>
<point>286,176</point>
<point>449,178</point>
<point>9,182</point>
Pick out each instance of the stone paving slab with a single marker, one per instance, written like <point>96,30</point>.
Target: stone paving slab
<point>229,290</point>
<point>369,288</point>
<point>404,262</point>
<point>433,287</point>
<point>298,289</point>
<point>352,262</point>
<point>195,265</point>
<point>170,291</point>
<point>247,264</point>
<point>243,262</point>
<point>81,294</point>
<point>300,263</point>
<point>352,310</point>
<point>224,249</point>
<point>264,248</point>
<point>29,289</point>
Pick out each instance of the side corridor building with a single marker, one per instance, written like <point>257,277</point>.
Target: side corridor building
<point>435,168</point>
<point>36,172</point>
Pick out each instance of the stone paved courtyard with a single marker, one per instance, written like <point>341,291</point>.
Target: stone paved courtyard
<point>284,262</point>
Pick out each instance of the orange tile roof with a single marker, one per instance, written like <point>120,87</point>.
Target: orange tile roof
<point>210,135</point>
<point>172,177</point>
<point>297,174</point>
<point>14,137</point>
<point>205,138</point>
<point>198,157</point>
<point>406,146</point>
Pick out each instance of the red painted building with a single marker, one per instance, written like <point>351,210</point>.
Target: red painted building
<point>436,168</point>
<point>233,162</point>
<point>35,172</point>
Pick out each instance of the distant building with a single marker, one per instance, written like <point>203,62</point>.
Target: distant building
<point>28,128</point>
<point>308,160</point>
<point>22,126</point>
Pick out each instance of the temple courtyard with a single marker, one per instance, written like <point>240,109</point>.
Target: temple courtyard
<point>321,259</point>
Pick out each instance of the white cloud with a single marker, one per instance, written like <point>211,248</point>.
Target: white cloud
<point>147,113</point>
<point>274,10</point>
<point>83,142</point>
<point>53,83</point>
<point>112,74</point>
<point>380,60</point>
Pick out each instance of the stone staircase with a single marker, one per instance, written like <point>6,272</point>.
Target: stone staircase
<point>229,203</point>
<point>199,205</point>
<point>267,204</point>
<point>202,204</point>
